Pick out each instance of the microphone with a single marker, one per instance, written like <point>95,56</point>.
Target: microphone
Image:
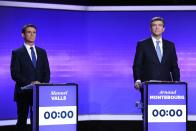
<point>171,76</point>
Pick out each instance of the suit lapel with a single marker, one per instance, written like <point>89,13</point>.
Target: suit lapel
<point>165,51</point>
<point>154,53</point>
<point>38,57</point>
<point>27,57</point>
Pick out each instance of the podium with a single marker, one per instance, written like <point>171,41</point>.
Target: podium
<point>54,107</point>
<point>165,106</point>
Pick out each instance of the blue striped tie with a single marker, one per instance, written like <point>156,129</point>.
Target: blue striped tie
<point>158,50</point>
<point>33,57</point>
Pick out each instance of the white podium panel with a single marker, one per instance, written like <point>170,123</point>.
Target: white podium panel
<point>165,106</point>
<point>55,107</point>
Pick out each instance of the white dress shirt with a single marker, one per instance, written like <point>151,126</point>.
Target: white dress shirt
<point>29,50</point>
<point>160,43</point>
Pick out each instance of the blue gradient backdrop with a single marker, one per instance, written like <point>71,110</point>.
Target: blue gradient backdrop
<point>95,50</point>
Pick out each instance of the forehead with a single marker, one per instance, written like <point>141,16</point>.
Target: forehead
<point>30,29</point>
<point>157,22</point>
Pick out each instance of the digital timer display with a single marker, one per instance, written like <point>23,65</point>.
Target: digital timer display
<point>62,114</point>
<point>167,113</point>
<point>170,112</point>
<point>59,115</point>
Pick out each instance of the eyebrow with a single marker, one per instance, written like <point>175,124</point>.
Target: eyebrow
<point>158,24</point>
<point>30,31</point>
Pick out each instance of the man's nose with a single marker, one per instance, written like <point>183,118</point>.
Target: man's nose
<point>157,26</point>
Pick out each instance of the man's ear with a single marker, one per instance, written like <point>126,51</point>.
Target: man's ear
<point>22,35</point>
<point>163,29</point>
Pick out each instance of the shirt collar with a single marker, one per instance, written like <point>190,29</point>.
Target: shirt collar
<point>154,40</point>
<point>28,46</point>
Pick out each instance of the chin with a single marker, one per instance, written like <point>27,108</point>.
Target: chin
<point>31,43</point>
<point>159,34</point>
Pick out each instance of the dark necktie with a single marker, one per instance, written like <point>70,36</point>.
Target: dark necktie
<point>158,50</point>
<point>33,57</point>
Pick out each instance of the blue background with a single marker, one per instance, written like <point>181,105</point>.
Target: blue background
<point>95,50</point>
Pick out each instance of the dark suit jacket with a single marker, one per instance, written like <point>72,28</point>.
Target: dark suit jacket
<point>23,71</point>
<point>147,66</point>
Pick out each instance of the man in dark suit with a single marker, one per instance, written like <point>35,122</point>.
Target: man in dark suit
<point>29,65</point>
<point>155,57</point>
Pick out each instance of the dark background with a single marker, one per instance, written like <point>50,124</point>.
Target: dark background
<point>113,2</point>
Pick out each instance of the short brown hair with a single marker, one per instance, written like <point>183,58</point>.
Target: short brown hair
<point>157,18</point>
<point>28,25</point>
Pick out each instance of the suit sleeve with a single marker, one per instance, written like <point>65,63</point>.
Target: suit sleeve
<point>46,77</point>
<point>138,60</point>
<point>15,68</point>
<point>174,68</point>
